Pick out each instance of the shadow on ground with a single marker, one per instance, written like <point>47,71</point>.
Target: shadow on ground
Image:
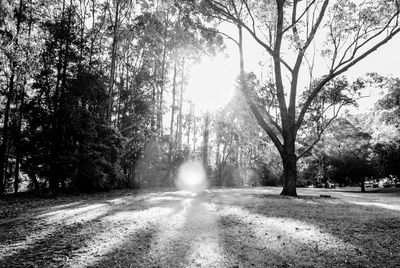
<point>219,228</point>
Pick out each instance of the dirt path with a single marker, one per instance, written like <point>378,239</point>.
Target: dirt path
<point>218,228</point>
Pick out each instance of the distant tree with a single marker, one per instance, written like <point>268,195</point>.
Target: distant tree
<point>344,156</point>
<point>387,158</point>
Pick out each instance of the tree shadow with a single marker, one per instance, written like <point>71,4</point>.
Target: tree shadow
<point>49,238</point>
<point>373,233</point>
<point>272,248</point>
<point>183,240</point>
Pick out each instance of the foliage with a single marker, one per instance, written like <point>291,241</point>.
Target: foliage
<point>387,158</point>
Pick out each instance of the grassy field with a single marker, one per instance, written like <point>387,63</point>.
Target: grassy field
<point>250,227</point>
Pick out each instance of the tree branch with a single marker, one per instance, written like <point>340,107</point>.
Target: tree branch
<point>294,22</point>
<point>296,69</point>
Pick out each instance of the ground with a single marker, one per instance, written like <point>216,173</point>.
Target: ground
<point>252,227</point>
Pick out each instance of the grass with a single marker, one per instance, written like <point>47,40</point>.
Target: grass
<point>249,227</point>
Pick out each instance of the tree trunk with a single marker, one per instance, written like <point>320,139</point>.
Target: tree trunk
<point>194,132</point>
<point>160,126</point>
<point>289,161</point>
<point>93,37</point>
<point>33,178</point>
<point>363,185</point>
<point>55,179</point>
<point>161,93</point>
<point>180,123</point>
<point>3,147</point>
<point>287,151</point>
<point>171,138</point>
<point>205,139</point>
<point>18,147</point>
<point>189,125</point>
<point>113,63</point>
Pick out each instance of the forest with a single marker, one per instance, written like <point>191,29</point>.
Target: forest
<point>93,94</point>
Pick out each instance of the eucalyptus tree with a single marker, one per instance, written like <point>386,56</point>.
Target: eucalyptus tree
<point>296,35</point>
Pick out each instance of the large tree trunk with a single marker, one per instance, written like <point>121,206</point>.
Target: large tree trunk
<point>289,162</point>
<point>289,174</point>
<point>362,183</point>
<point>287,151</point>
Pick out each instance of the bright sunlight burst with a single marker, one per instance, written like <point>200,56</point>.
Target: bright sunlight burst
<point>211,83</point>
<point>192,177</point>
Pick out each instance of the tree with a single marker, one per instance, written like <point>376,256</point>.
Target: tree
<point>351,31</point>
<point>348,154</point>
<point>384,125</point>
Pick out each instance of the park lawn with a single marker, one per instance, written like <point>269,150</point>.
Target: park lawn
<point>248,227</point>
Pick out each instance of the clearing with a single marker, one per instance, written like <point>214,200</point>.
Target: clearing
<point>249,227</point>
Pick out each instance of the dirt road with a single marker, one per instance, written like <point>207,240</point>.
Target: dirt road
<point>217,228</point>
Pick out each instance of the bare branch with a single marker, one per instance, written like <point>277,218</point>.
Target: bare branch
<point>332,75</point>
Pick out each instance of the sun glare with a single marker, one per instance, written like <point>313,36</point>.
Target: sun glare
<point>211,84</point>
<point>191,177</point>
